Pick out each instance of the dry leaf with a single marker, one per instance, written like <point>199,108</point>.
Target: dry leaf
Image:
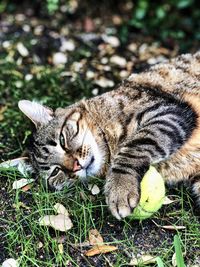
<point>60,209</point>
<point>171,227</point>
<point>40,244</point>
<point>26,187</point>
<point>19,163</point>
<point>144,259</point>
<point>10,263</point>
<point>95,237</point>
<point>21,183</point>
<point>174,263</point>
<point>102,249</point>
<point>2,110</point>
<point>58,222</point>
<point>60,248</point>
<point>20,205</point>
<point>168,201</point>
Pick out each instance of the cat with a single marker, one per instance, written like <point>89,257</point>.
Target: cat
<point>152,118</point>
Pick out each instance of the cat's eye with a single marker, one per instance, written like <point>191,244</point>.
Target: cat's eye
<point>62,140</point>
<point>55,171</point>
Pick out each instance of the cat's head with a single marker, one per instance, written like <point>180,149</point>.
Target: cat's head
<point>65,145</point>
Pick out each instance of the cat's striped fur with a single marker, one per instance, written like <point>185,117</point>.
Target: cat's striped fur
<point>151,118</point>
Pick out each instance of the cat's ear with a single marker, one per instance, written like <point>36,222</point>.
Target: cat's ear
<point>22,164</point>
<point>39,114</point>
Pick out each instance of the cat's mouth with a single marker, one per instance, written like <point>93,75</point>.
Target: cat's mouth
<point>88,169</point>
<point>90,163</point>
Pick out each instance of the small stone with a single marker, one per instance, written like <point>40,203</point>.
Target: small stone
<point>112,40</point>
<point>59,58</point>
<point>95,91</point>
<point>117,20</point>
<point>104,60</point>
<point>40,244</point>
<point>39,30</point>
<point>95,190</point>
<point>67,45</point>
<point>19,84</point>
<point>20,17</point>
<point>28,77</point>
<point>103,82</point>
<point>123,74</point>
<point>90,74</point>
<point>6,44</point>
<point>117,60</point>
<point>22,50</point>
<point>10,263</point>
<point>26,28</point>
<point>132,47</point>
<point>77,66</point>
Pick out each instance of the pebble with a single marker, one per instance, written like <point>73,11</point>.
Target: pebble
<point>22,50</point>
<point>67,45</point>
<point>59,58</point>
<point>132,47</point>
<point>39,30</point>
<point>124,74</point>
<point>117,60</point>
<point>103,82</point>
<point>28,77</point>
<point>6,44</point>
<point>95,91</point>
<point>104,60</point>
<point>26,28</point>
<point>10,263</point>
<point>90,74</point>
<point>112,40</point>
<point>154,60</point>
<point>77,66</point>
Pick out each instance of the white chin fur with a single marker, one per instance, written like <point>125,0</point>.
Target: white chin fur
<point>95,167</point>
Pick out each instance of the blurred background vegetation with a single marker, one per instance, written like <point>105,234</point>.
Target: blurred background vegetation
<point>165,20</point>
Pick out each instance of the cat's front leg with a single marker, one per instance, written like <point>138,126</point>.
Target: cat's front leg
<point>122,188</point>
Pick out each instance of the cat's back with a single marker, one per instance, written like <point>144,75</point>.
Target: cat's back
<point>179,76</point>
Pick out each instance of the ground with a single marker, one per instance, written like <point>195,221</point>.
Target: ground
<point>58,63</point>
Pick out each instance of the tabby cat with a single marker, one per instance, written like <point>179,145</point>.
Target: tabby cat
<point>151,118</point>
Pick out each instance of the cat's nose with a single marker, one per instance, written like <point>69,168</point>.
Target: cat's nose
<point>77,166</point>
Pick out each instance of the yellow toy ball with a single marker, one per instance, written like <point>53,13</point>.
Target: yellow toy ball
<point>152,195</point>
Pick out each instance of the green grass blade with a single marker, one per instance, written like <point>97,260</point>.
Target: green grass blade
<point>179,254</point>
<point>159,262</point>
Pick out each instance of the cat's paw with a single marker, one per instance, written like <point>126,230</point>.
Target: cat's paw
<point>122,195</point>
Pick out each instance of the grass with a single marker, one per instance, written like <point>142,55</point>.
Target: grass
<point>34,245</point>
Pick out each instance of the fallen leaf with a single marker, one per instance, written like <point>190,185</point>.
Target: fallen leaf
<point>2,110</point>
<point>94,189</point>
<point>60,248</point>
<point>144,259</point>
<point>21,183</point>
<point>102,249</point>
<point>20,205</point>
<point>10,263</point>
<point>60,209</point>
<point>59,222</point>
<point>168,201</point>
<point>95,237</point>
<point>174,263</point>
<point>26,187</point>
<point>19,163</point>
